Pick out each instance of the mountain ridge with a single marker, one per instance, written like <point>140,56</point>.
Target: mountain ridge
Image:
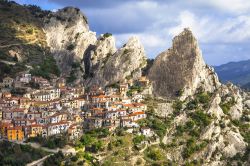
<point>235,72</point>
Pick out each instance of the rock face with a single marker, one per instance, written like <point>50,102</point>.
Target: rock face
<point>224,138</point>
<point>107,66</point>
<point>98,55</point>
<point>181,68</point>
<point>71,41</point>
<point>68,36</point>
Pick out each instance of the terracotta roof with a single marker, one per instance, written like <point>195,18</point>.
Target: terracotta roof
<point>137,113</point>
<point>97,109</point>
<point>138,104</point>
<point>5,124</point>
<point>15,128</point>
<point>59,123</point>
<point>17,110</point>
<point>36,125</point>
<point>100,96</point>
<point>128,105</point>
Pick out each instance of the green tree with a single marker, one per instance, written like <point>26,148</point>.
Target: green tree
<point>155,154</point>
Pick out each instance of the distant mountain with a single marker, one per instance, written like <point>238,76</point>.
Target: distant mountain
<point>235,72</point>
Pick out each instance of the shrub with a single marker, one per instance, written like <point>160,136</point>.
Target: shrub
<point>86,139</point>
<point>179,92</point>
<point>97,146</point>
<point>118,142</point>
<point>106,35</point>
<point>192,147</point>
<point>138,139</point>
<point>180,130</point>
<point>133,89</point>
<point>125,51</point>
<point>190,125</point>
<point>74,158</point>
<point>52,142</point>
<point>114,85</point>
<point>226,106</point>
<point>54,160</point>
<point>139,161</point>
<point>177,105</point>
<point>159,126</point>
<point>47,67</point>
<point>15,58</point>
<point>15,154</point>
<point>80,163</point>
<point>203,98</point>
<point>200,118</point>
<point>34,8</point>
<point>76,65</point>
<point>192,105</point>
<point>30,31</point>
<point>100,133</point>
<point>154,154</point>
<point>71,77</point>
<point>88,156</point>
<point>71,47</point>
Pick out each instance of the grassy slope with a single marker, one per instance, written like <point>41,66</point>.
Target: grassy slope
<point>21,32</point>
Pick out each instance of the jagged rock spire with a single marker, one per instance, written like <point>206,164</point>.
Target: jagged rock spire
<point>181,68</point>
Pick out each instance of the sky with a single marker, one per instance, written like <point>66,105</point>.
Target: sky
<point>222,27</point>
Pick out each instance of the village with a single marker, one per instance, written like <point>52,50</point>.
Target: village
<point>32,106</point>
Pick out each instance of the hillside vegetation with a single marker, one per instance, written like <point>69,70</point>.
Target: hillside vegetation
<point>22,39</point>
<point>15,154</point>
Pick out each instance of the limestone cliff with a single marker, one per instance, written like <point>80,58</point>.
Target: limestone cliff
<point>181,69</point>
<point>214,131</point>
<point>107,66</point>
<point>210,122</point>
<point>68,36</point>
<point>71,41</point>
<point>65,34</point>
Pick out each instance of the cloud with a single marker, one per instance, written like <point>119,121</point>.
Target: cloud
<point>232,6</point>
<point>153,43</point>
<point>92,3</point>
<point>127,18</point>
<point>214,30</point>
<point>221,53</point>
<point>221,26</point>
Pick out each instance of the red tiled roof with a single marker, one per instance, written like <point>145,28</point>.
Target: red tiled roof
<point>36,125</point>
<point>15,128</point>
<point>137,113</point>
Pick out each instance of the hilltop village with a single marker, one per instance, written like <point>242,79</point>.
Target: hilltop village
<point>32,106</point>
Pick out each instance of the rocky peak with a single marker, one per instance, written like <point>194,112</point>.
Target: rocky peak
<point>68,37</point>
<point>125,62</point>
<point>185,41</point>
<point>71,14</point>
<point>134,42</point>
<point>105,46</point>
<point>98,55</point>
<point>181,69</point>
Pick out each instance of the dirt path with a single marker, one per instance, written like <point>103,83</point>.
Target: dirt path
<point>39,162</point>
<point>18,44</point>
<point>9,45</point>
<point>65,150</point>
<point>14,63</point>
